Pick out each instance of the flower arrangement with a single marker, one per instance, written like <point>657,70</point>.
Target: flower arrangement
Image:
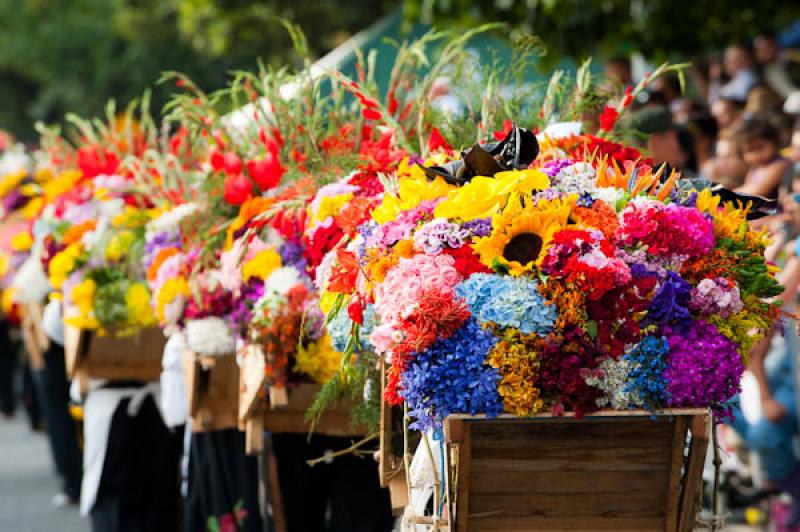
<point>572,279</point>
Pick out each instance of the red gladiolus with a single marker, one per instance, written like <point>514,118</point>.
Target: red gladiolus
<point>628,97</point>
<point>371,114</point>
<point>232,162</point>
<point>608,118</point>
<point>217,160</point>
<point>356,312</point>
<point>266,172</point>
<point>507,126</point>
<point>344,273</point>
<point>436,141</point>
<point>238,189</point>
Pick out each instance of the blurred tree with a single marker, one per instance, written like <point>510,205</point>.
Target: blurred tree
<point>59,56</point>
<point>656,28</point>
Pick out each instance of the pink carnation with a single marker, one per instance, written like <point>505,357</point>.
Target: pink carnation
<point>666,230</point>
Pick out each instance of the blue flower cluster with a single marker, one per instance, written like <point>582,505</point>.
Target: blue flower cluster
<point>451,377</point>
<point>340,326</point>
<point>670,305</point>
<point>508,302</point>
<point>646,384</point>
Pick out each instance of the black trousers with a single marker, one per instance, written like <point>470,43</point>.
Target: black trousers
<point>51,383</point>
<point>349,485</point>
<point>223,484</point>
<point>8,364</point>
<point>140,484</point>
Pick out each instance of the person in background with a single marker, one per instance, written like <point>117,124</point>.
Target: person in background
<point>726,112</point>
<point>727,168</point>
<point>759,143</point>
<point>703,130</point>
<point>773,65</point>
<point>762,100</point>
<point>618,71</point>
<point>666,142</point>
<point>739,66</point>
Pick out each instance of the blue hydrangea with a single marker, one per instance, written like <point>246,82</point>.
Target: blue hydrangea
<point>340,326</point>
<point>451,377</point>
<point>508,302</point>
<point>646,384</point>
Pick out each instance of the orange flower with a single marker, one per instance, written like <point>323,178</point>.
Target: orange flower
<point>163,255</point>
<point>75,232</point>
<point>599,216</point>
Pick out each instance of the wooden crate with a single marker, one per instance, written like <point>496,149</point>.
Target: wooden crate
<point>212,386</point>
<point>283,409</point>
<point>33,335</point>
<point>112,357</point>
<point>612,470</point>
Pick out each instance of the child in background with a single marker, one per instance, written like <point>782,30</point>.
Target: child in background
<point>759,143</point>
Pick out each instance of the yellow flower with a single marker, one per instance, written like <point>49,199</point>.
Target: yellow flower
<point>11,181</point>
<point>521,234</point>
<point>32,209</point>
<point>481,197</point>
<point>327,300</point>
<point>411,192</point>
<point>83,298</point>
<point>63,182</point>
<point>5,263</point>
<point>169,292</point>
<point>7,300</point>
<point>118,245</point>
<point>43,175</point>
<point>137,301</point>
<point>63,263</point>
<point>319,360</point>
<point>132,217</point>
<point>261,265</point>
<point>331,205</point>
<point>729,221</point>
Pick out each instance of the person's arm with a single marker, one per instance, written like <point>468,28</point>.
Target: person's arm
<point>772,409</point>
<point>768,181</point>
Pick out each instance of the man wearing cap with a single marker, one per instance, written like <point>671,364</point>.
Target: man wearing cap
<point>666,142</point>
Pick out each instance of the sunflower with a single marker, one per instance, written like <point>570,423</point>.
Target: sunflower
<point>521,233</point>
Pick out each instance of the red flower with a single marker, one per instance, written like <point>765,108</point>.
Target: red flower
<point>436,141</point>
<point>371,114</point>
<point>232,163</point>
<point>608,118</point>
<point>94,161</point>
<point>467,262</point>
<point>507,126</point>
<point>356,312</point>
<point>628,97</point>
<point>238,189</point>
<point>344,272</point>
<point>266,172</point>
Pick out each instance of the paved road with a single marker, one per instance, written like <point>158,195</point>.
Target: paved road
<point>27,483</point>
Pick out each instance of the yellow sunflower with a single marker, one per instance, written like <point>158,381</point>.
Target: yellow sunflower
<point>521,233</point>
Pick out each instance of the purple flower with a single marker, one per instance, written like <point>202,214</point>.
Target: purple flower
<point>670,305</point>
<point>478,227</point>
<point>291,252</point>
<point>553,168</point>
<point>703,367</point>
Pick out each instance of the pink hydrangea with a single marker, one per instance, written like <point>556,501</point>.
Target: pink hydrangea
<point>666,230</point>
<point>716,296</point>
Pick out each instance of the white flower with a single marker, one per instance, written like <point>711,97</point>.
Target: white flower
<point>610,195</point>
<point>14,160</point>
<point>281,280</point>
<point>575,179</point>
<point>209,336</point>
<point>170,220</point>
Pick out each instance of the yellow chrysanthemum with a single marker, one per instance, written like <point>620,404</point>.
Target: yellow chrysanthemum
<point>43,175</point>
<point>82,297</point>
<point>32,209</point>
<point>411,192</point>
<point>63,263</point>
<point>263,264</point>
<point>331,205</point>
<point>11,181</point>
<point>137,301</point>
<point>132,217</point>
<point>171,289</point>
<point>5,263</point>
<point>521,234</point>
<point>118,245</point>
<point>729,221</point>
<point>481,197</point>
<point>62,183</point>
<point>319,360</point>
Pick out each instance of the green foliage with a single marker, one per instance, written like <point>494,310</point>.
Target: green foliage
<point>576,28</point>
<point>59,56</point>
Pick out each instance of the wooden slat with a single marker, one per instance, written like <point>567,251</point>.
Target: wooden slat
<point>569,417</point>
<point>672,496</point>
<point>642,503</point>
<point>385,459</point>
<point>573,524</point>
<point>335,421</point>
<point>497,482</point>
<point>692,478</point>
<point>464,474</point>
<point>251,382</point>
